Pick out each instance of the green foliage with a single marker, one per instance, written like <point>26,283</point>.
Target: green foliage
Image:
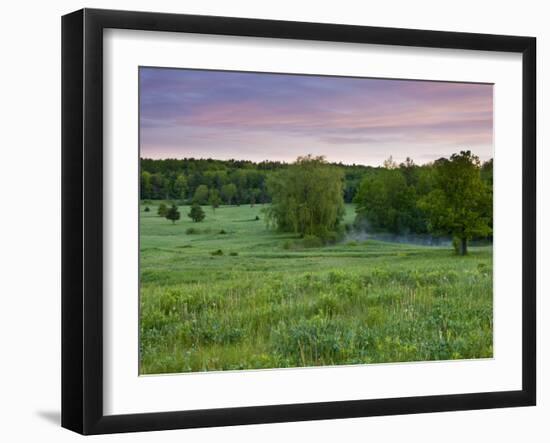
<point>172,214</point>
<point>312,241</point>
<point>172,179</point>
<point>386,202</point>
<point>162,210</point>
<point>196,213</point>
<point>270,307</point>
<point>146,186</point>
<point>306,197</point>
<point>461,202</point>
<point>201,195</point>
<point>229,192</point>
<point>214,199</point>
<point>146,209</point>
<point>180,187</point>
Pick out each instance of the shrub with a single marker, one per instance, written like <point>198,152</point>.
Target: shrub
<point>327,305</point>
<point>334,237</point>
<point>337,276</point>
<point>146,209</point>
<point>233,254</point>
<point>173,214</point>
<point>312,241</point>
<point>217,252</point>
<point>162,210</point>
<point>257,217</point>
<point>191,231</point>
<point>196,214</point>
<point>287,244</point>
<point>315,340</point>
<point>223,232</point>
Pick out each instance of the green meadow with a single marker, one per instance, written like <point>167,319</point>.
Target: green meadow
<point>229,293</point>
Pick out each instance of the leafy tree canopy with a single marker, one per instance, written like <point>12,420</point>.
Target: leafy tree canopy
<point>172,213</point>
<point>461,202</point>
<point>162,210</point>
<point>229,192</point>
<point>196,214</point>
<point>307,197</point>
<point>385,202</point>
<point>201,195</point>
<point>214,199</point>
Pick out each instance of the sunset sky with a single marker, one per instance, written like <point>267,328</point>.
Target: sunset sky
<point>251,116</point>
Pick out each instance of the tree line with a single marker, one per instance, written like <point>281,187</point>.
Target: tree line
<point>216,182</point>
<point>450,196</point>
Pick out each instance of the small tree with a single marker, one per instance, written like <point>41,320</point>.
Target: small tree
<point>196,214</point>
<point>146,209</point>
<point>173,214</point>
<point>389,163</point>
<point>162,210</point>
<point>214,199</point>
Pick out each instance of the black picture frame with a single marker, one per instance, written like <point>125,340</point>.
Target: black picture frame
<point>82,218</point>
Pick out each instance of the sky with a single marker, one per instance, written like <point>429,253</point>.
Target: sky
<point>259,116</point>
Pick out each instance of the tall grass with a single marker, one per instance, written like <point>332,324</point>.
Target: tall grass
<point>259,305</point>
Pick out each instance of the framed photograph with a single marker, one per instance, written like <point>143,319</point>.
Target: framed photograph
<point>268,221</point>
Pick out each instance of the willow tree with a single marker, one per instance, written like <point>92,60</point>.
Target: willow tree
<point>460,203</point>
<point>307,197</point>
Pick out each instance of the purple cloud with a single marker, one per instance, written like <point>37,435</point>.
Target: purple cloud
<point>258,116</point>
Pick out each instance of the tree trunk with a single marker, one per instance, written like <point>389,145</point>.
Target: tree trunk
<point>463,246</point>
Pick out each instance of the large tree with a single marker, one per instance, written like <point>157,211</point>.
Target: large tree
<point>229,192</point>
<point>180,187</point>
<point>385,202</point>
<point>201,195</point>
<point>460,203</point>
<point>307,197</point>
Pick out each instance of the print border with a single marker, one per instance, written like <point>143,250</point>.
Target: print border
<point>82,219</point>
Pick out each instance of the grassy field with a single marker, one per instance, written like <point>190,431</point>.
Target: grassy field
<point>228,293</point>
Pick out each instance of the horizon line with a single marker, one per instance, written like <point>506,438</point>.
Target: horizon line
<point>293,161</point>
